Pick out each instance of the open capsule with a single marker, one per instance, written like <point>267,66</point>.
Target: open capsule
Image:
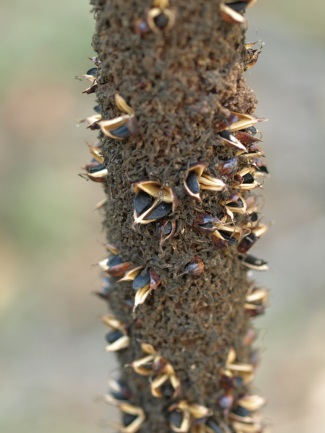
<point>152,201</point>
<point>254,263</point>
<point>161,17</point>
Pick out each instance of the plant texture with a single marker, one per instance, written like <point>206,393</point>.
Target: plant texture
<point>179,156</point>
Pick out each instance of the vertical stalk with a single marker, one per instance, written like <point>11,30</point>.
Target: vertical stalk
<point>178,159</point>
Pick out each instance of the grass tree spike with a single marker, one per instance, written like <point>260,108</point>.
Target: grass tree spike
<point>179,157</point>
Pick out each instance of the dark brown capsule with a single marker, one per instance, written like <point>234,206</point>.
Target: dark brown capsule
<point>228,167</point>
<point>247,242</point>
<point>195,267</point>
<point>167,230</point>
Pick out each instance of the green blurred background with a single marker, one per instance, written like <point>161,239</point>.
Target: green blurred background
<point>53,366</point>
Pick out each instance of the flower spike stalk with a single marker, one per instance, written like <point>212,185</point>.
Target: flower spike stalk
<point>179,156</point>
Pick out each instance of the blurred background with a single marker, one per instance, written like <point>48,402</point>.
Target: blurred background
<point>53,366</point>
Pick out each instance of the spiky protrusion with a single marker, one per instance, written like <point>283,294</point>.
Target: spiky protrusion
<point>179,160</point>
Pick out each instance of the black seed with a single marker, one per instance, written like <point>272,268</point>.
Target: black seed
<point>226,134</point>
<point>160,211</point>
<point>192,183</point>
<point>167,229</point>
<point>141,281</point>
<point>113,336</point>
<point>253,217</point>
<point>128,419</point>
<point>92,71</point>
<point>238,381</point>
<point>96,168</point>
<point>97,109</point>
<point>176,418</point>
<point>246,243</point>
<point>161,21</point>
<point>248,178</point>
<point>241,411</point>
<point>251,129</point>
<point>254,261</point>
<point>227,236</point>
<point>237,204</point>
<point>123,393</point>
<point>121,131</point>
<point>262,169</point>
<point>238,6</point>
<point>167,390</point>
<point>214,426</point>
<point>114,260</point>
<point>142,202</point>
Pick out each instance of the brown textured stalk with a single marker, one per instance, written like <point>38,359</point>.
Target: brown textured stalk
<point>172,73</point>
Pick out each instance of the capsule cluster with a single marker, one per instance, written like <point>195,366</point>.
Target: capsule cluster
<point>144,279</point>
<point>236,225</point>
<point>163,379</point>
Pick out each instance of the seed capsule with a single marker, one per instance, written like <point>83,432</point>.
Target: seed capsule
<point>167,230</point>
<point>245,179</point>
<point>119,390</point>
<point>244,121</point>
<point>122,104</point>
<point>117,338</point>
<point>230,140</point>
<point>195,267</point>
<point>132,419</point>
<point>228,167</point>
<point>205,223</point>
<point>191,183</point>
<point>254,263</point>
<point>120,128</point>
<point>256,301</point>
<point>235,203</point>
<point>161,17</point>
<point>229,234</point>
<point>152,201</point>
<point>115,266</point>
<point>250,239</point>
<point>252,55</point>
<point>96,172</point>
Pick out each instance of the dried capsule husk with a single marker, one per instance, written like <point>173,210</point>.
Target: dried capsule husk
<point>122,104</point>
<point>210,183</point>
<point>161,17</point>
<point>252,55</point>
<point>244,179</point>
<point>229,234</point>
<point>167,230</point>
<point>253,262</point>
<point>153,201</point>
<point>235,203</point>
<point>96,172</point>
<point>230,16</point>
<point>117,338</point>
<point>120,128</point>
<point>96,153</point>
<point>205,223</point>
<point>229,139</point>
<point>191,183</point>
<point>251,238</point>
<point>228,167</point>
<point>251,403</point>
<point>133,417</point>
<point>119,390</point>
<point>244,121</point>
<point>149,281</point>
<point>194,268</point>
<point>115,266</point>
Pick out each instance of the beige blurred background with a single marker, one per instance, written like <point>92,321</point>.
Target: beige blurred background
<point>53,366</point>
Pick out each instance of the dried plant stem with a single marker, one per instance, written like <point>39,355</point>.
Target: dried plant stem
<point>178,159</point>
